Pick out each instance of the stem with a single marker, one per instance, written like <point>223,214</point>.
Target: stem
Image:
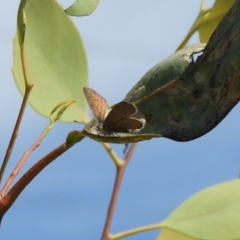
<point>28,88</point>
<point>130,153</point>
<point>23,161</point>
<point>135,230</point>
<point>15,132</point>
<point>7,201</point>
<point>112,154</point>
<point>118,180</point>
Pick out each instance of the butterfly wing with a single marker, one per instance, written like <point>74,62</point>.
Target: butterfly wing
<point>127,125</point>
<point>121,110</point>
<point>119,119</point>
<point>97,104</point>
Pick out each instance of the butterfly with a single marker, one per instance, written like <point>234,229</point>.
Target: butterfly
<point>118,118</point>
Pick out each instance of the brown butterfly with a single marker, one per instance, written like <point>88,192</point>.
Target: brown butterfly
<point>118,118</point>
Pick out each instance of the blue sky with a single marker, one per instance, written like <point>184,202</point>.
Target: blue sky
<point>69,199</point>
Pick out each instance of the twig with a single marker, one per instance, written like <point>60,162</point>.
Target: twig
<point>7,201</point>
<point>118,180</point>
<point>136,230</point>
<point>112,154</point>
<point>23,161</point>
<point>130,153</point>
<point>28,88</point>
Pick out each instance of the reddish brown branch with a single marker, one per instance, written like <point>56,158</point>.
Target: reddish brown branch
<point>118,180</point>
<point>15,131</point>
<point>7,201</point>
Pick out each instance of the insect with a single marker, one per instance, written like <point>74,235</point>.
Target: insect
<point>118,118</point>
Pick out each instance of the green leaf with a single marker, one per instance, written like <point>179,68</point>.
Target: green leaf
<point>167,234</point>
<point>182,98</point>
<point>210,20</point>
<point>174,101</point>
<point>213,213</point>
<point>82,7</point>
<point>60,109</point>
<point>55,60</point>
<point>207,21</point>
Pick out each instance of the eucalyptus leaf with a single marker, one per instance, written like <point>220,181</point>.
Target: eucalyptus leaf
<point>213,213</point>
<point>60,109</point>
<point>168,234</point>
<point>55,60</point>
<point>160,109</point>
<point>210,20</point>
<point>82,7</point>
<point>182,98</point>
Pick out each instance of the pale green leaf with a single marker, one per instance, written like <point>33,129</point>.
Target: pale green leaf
<point>60,109</point>
<point>55,60</point>
<point>167,234</point>
<point>210,20</point>
<point>213,213</point>
<point>207,21</point>
<point>82,7</point>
